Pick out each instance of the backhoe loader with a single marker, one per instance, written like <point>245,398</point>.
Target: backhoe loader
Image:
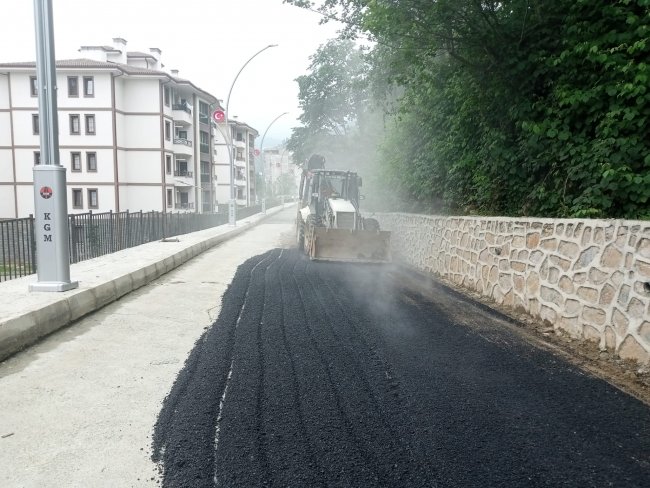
<point>329,225</point>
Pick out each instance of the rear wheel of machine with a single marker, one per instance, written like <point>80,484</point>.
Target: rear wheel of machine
<point>300,235</point>
<point>314,220</point>
<point>371,224</point>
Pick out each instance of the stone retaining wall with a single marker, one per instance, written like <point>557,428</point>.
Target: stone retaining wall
<point>590,278</point>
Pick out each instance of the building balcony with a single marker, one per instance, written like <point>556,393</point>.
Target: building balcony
<point>240,181</point>
<point>181,173</point>
<point>184,206</point>
<point>241,163</point>
<point>240,144</point>
<point>182,113</point>
<point>241,201</point>
<point>183,146</point>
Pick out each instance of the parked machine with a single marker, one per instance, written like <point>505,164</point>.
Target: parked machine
<point>329,225</point>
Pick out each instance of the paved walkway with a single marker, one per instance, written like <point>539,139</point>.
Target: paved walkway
<point>78,408</point>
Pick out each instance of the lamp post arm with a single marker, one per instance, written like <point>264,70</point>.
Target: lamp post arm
<point>262,150</point>
<point>239,72</point>
<point>232,217</point>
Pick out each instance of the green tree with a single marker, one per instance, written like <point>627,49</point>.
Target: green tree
<point>510,107</point>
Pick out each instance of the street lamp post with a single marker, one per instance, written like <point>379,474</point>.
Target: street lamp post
<point>264,159</point>
<point>232,208</point>
<point>50,201</point>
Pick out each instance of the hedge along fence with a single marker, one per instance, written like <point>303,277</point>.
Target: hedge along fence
<point>590,278</point>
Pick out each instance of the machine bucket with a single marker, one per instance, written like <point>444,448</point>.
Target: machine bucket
<point>358,246</point>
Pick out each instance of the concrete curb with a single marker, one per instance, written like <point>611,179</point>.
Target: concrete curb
<point>25,329</point>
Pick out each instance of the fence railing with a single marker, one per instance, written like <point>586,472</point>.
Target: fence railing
<point>96,234</point>
<point>17,248</point>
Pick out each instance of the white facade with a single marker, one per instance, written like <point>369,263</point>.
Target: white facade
<point>243,149</point>
<point>277,164</point>
<point>131,136</point>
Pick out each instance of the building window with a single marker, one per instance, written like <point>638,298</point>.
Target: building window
<point>35,124</point>
<point>75,162</point>
<point>92,198</point>
<point>89,86</point>
<point>77,198</point>
<point>33,86</point>
<point>168,164</point>
<point>74,124</point>
<point>90,124</point>
<point>91,162</point>
<point>73,86</point>
<point>37,158</point>
<point>204,115</point>
<point>169,198</point>
<point>166,96</point>
<point>168,130</point>
<point>204,147</point>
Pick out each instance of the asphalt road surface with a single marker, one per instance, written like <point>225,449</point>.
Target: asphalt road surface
<point>321,374</point>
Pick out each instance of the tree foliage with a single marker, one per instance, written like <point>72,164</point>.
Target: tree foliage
<point>333,96</point>
<point>513,107</point>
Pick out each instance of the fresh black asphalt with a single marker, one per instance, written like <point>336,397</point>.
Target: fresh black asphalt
<point>330,374</point>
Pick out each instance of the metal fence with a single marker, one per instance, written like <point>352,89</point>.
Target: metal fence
<point>17,248</point>
<point>96,234</point>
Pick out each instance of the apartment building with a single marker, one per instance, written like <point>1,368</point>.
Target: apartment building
<point>278,164</point>
<point>131,136</point>
<point>243,146</point>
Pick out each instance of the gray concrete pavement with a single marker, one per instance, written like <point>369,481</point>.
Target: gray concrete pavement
<point>26,317</point>
<point>78,408</point>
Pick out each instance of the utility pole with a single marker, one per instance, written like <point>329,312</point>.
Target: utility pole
<point>50,201</point>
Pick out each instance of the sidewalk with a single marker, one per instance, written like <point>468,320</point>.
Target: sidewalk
<point>26,317</point>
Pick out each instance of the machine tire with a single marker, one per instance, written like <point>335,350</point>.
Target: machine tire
<point>371,224</point>
<point>314,220</point>
<point>300,234</point>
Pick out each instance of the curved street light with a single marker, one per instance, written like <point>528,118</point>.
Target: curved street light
<point>232,207</point>
<point>264,159</point>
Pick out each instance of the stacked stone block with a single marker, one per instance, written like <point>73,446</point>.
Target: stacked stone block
<point>590,278</point>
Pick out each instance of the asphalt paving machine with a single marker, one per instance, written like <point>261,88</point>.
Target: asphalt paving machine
<point>329,225</point>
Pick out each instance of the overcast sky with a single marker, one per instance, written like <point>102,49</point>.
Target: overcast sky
<point>208,41</point>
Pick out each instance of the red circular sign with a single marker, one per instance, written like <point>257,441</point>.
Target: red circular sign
<point>257,152</point>
<point>218,115</point>
<point>46,192</point>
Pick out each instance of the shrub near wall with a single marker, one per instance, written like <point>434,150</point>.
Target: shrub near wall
<point>590,278</point>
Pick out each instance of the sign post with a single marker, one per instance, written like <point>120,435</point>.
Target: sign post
<point>50,203</point>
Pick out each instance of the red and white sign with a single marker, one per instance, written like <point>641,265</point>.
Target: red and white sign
<point>218,116</point>
<point>46,192</point>
<point>257,152</point>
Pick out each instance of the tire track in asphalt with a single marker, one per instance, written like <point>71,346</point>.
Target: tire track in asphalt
<point>351,458</point>
<point>374,389</point>
<point>184,434</point>
<point>266,258</point>
<point>291,454</point>
<point>243,440</point>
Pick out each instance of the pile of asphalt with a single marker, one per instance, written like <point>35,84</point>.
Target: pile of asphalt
<point>321,374</point>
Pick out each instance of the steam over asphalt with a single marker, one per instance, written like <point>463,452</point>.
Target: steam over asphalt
<point>321,374</point>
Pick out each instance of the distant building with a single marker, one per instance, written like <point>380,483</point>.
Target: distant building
<point>132,136</point>
<point>243,147</point>
<point>278,164</point>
